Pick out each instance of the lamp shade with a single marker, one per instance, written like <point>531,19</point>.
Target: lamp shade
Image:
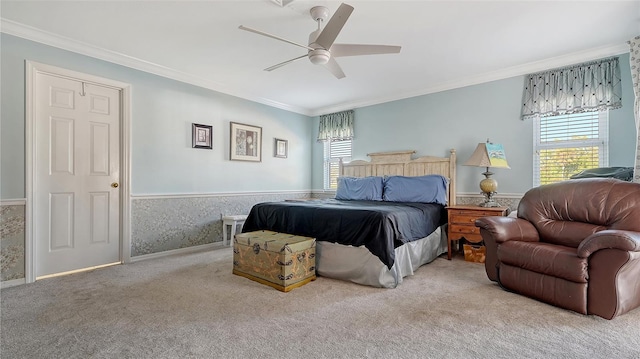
<point>488,155</point>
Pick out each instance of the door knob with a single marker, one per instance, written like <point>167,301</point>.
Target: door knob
<point>114,185</point>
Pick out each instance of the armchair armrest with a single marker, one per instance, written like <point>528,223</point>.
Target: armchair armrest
<point>504,229</point>
<point>610,238</point>
<point>497,230</point>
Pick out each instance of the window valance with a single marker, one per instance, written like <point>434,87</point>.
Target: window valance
<point>585,87</point>
<point>336,126</point>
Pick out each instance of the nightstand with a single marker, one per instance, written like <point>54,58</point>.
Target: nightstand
<point>462,222</point>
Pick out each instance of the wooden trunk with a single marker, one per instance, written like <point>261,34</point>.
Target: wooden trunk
<point>282,261</point>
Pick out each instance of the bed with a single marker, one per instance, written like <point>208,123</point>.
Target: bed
<point>371,242</point>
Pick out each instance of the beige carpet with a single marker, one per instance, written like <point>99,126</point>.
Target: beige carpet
<point>191,306</point>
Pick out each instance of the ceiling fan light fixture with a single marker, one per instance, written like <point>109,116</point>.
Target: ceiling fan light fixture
<point>319,56</point>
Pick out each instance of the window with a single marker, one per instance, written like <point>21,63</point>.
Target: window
<point>567,144</point>
<point>333,152</point>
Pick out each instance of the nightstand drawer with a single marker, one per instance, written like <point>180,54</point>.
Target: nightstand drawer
<point>464,219</point>
<point>470,233</point>
<point>473,213</point>
<point>463,229</point>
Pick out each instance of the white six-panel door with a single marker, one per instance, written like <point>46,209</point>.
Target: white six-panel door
<point>77,175</point>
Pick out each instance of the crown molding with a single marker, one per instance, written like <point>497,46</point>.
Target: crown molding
<point>37,35</point>
<point>34,34</point>
<point>520,70</point>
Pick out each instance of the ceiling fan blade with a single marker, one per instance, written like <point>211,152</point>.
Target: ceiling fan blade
<point>342,50</point>
<point>272,36</point>
<point>284,63</point>
<point>333,27</point>
<point>334,68</point>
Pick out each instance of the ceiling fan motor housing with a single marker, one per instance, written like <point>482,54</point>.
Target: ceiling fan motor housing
<point>319,55</point>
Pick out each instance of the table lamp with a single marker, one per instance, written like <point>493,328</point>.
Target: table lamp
<point>489,155</point>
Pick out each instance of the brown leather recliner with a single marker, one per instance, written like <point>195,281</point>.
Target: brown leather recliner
<point>575,245</point>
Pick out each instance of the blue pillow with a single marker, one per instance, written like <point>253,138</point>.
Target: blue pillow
<point>425,189</point>
<point>360,188</point>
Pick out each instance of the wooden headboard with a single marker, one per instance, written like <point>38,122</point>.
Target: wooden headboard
<point>400,164</point>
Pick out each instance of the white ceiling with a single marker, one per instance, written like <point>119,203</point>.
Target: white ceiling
<point>445,44</point>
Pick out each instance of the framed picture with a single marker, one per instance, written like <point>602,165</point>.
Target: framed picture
<point>281,148</point>
<point>202,136</point>
<point>245,143</point>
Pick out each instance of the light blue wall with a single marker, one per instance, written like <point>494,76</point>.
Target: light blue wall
<point>461,118</point>
<point>622,129</point>
<point>162,112</point>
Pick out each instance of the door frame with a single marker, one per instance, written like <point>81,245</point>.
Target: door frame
<point>32,69</point>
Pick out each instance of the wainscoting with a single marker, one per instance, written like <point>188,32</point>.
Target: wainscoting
<point>161,223</point>
<point>505,200</point>
<point>158,223</point>
<point>12,240</point>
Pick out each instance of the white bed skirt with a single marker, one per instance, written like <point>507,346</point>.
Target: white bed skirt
<point>358,265</point>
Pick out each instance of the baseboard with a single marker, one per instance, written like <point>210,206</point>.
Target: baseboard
<point>12,283</point>
<point>200,248</point>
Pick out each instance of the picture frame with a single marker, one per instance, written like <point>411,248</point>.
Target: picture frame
<point>202,136</point>
<point>245,142</point>
<point>281,148</point>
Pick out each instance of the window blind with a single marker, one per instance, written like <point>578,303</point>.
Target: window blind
<point>567,144</point>
<point>333,152</point>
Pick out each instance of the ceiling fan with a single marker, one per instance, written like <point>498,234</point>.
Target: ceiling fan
<point>321,48</point>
